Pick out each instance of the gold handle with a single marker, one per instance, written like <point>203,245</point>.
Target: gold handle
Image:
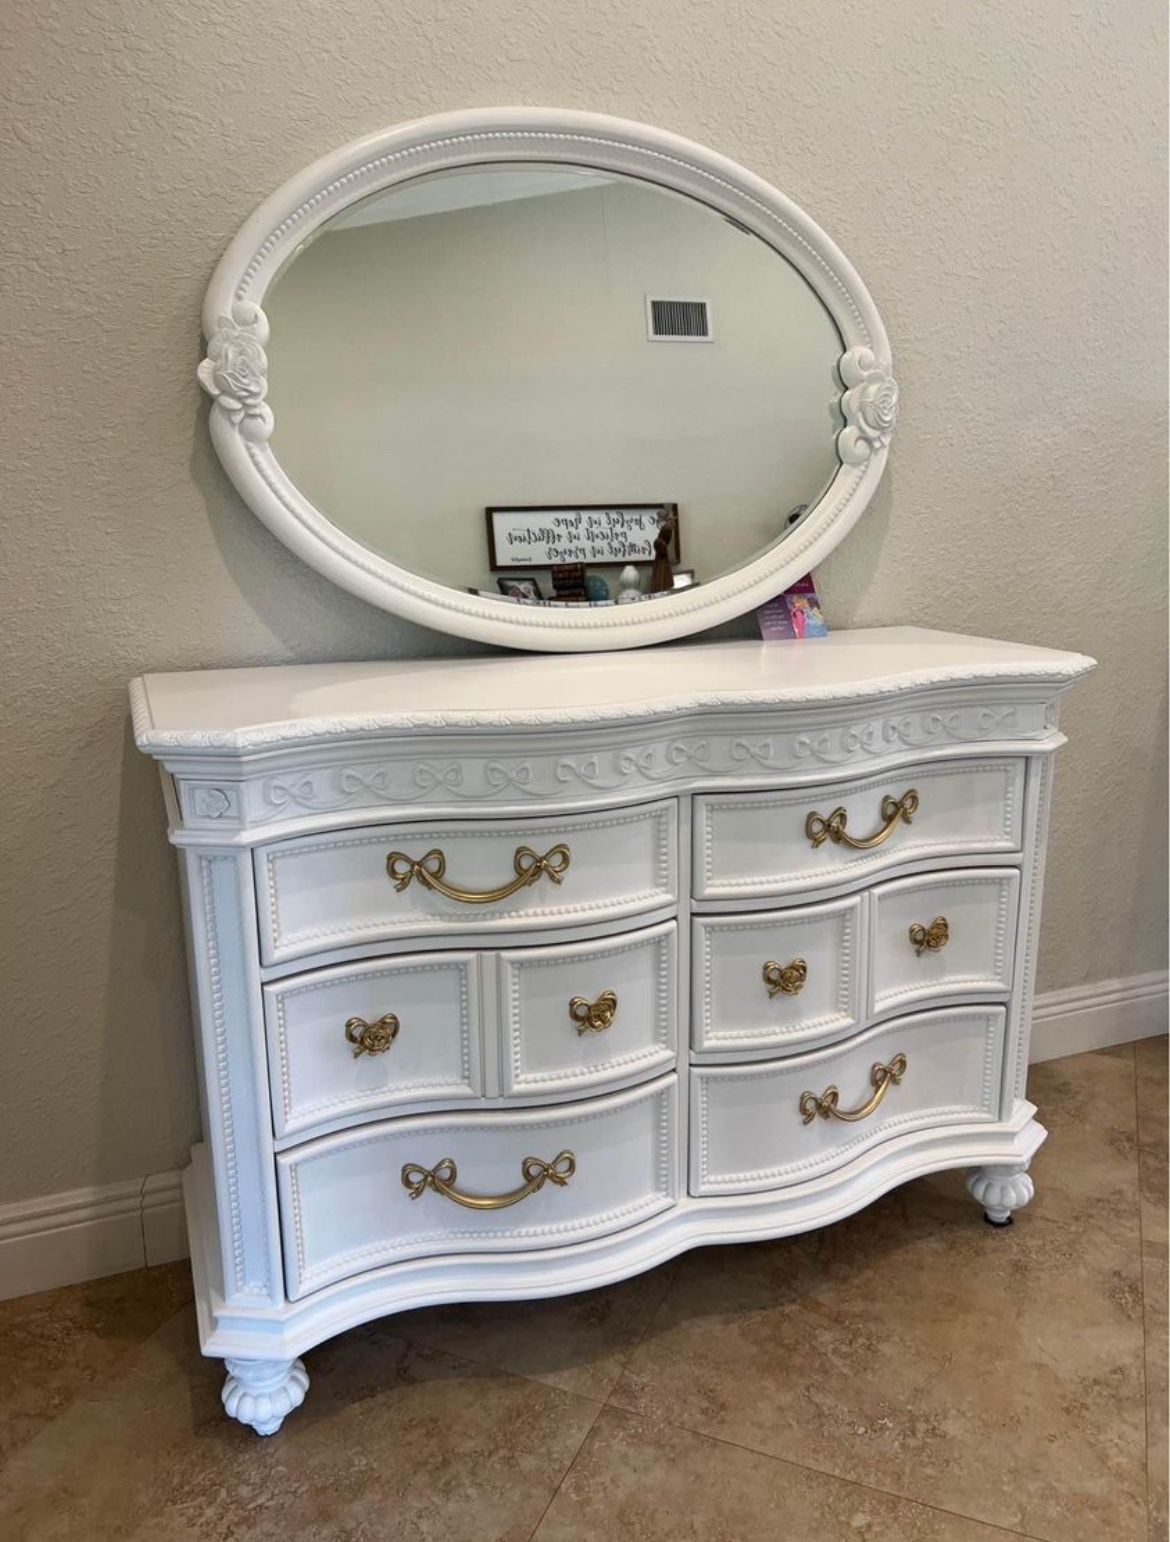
<point>429,870</point>
<point>372,1038</point>
<point>786,979</point>
<point>894,811</point>
<point>932,938</point>
<point>881,1077</point>
<point>444,1175</point>
<point>594,1016</point>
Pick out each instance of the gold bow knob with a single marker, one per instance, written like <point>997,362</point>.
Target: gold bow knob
<point>785,979</point>
<point>932,938</point>
<point>372,1038</point>
<point>594,1016</point>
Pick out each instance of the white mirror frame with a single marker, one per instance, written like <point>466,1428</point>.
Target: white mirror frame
<point>234,373</point>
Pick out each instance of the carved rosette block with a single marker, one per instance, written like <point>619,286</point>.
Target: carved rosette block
<point>869,406</point>
<point>235,372</point>
<point>263,1393</point>
<point>1000,1190</point>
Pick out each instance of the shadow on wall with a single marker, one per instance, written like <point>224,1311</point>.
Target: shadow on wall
<point>311,620</point>
<point>146,1061</point>
<point>853,572</point>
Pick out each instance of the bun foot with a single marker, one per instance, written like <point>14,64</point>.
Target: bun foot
<point>263,1393</point>
<point>1000,1190</point>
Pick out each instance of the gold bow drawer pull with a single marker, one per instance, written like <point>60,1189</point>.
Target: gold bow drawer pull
<point>443,1177</point>
<point>785,979</point>
<point>372,1038</point>
<point>932,938</point>
<point>881,1078</point>
<point>594,1016</point>
<point>430,870</point>
<point>895,811</point>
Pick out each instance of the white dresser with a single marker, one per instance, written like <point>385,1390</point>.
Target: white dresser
<point>519,975</point>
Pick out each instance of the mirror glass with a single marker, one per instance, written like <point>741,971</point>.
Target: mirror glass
<point>531,380</point>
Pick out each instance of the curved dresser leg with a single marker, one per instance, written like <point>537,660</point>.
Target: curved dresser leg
<point>263,1392</point>
<point>1000,1190</point>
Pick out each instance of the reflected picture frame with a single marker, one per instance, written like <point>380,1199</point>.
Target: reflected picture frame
<point>519,586</point>
<point>608,527</point>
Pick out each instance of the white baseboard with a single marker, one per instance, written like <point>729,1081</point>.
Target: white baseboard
<point>164,1221</point>
<point>1069,1022</point>
<point>62,1239</point>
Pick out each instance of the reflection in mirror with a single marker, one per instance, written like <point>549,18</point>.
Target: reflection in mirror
<point>642,393</point>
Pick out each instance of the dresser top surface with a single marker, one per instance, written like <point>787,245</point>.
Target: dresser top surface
<point>241,709</point>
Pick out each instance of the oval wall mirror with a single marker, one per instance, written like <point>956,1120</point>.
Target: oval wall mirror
<point>546,379</point>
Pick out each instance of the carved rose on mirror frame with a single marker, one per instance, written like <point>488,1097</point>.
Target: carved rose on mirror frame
<point>235,372</point>
<point>869,406</point>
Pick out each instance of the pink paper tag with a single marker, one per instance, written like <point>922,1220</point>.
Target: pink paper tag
<point>794,614</point>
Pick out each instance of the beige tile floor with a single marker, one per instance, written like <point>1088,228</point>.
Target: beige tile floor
<point>908,1375</point>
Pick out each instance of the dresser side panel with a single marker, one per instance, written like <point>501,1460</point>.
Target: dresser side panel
<point>229,1022</point>
<point>1037,804</point>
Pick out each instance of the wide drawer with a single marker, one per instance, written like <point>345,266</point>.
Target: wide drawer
<point>780,1122</point>
<point>576,1017</point>
<point>318,893</point>
<point>943,934</point>
<point>777,979</point>
<point>749,844</point>
<point>535,1179</point>
<point>344,1041</point>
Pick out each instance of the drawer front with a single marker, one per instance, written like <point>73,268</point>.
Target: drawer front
<point>750,844</point>
<point>342,1042</point>
<point>581,1016</point>
<point>750,1130</point>
<point>777,980</point>
<point>323,892</point>
<point>942,935</point>
<point>346,1201</point>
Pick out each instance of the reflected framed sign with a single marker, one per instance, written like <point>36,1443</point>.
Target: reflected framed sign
<point>599,534</point>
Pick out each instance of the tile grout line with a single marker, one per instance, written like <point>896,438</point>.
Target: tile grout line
<point>600,1409</point>
<point>821,1472</point>
<point>676,1266</point>
<point>653,1317</point>
<point>767,1455</point>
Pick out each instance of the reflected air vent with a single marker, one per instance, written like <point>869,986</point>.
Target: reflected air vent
<point>678,321</point>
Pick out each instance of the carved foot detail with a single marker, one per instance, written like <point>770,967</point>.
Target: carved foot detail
<point>263,1393</point>
<point>1000,1190</point>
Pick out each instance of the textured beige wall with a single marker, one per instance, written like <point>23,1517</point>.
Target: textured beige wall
<point>995,171</point>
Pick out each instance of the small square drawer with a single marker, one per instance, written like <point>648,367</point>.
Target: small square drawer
<point>475,1183</point>
<point>944,934</point>
<point>317,893</point>
<point>777,980</point>
<point>344,1042</point>
<point>786,1121</point>
<point>581,1016</point>
<point>749,844</point>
